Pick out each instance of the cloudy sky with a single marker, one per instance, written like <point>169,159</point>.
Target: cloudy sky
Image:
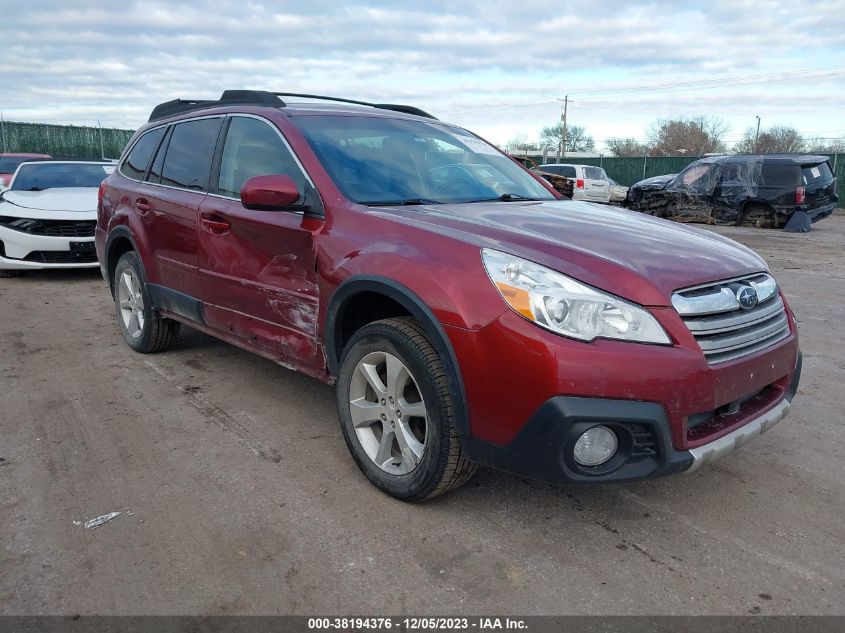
<point>495,67</point>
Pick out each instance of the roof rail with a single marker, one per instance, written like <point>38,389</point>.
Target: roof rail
<point>406,109</point>
<point>229,97</point>
<point>262,97</point>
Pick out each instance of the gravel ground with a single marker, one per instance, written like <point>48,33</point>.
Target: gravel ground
<point>238,495</point>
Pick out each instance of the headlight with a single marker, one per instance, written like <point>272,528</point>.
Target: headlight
<point>565,306</point>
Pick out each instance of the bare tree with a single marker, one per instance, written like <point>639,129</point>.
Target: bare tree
<point>689,137</point>
<point>776,139</point>
<point>520,143</point>
<point>825,145</point>
<point>625,147</point>
<point>577,139</point>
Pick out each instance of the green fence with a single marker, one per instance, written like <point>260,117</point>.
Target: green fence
<point>66,141</point>
<point>627,171</point>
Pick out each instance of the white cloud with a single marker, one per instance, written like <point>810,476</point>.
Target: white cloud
<point>494,66</point>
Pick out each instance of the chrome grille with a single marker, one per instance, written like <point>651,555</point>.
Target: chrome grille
<point>723,329</point>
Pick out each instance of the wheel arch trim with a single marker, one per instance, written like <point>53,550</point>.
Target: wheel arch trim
<point>417,308</point>
<point>118,232</point>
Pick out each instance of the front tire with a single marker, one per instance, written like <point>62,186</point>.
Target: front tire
<point>397,413</point>
<point>143,329</point>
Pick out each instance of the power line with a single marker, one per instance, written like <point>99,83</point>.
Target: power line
<point>676,87</point>
<point>707,84</point>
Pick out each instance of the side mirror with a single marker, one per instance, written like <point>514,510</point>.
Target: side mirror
<point>269,193</point>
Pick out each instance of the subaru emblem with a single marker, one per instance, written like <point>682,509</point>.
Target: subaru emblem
<point>747,297</point>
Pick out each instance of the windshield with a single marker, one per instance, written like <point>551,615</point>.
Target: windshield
<point>48,175</point>
<point>375,160</point>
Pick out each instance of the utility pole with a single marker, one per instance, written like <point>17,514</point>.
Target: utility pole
<point>757,135</point>
<point>566,101</point>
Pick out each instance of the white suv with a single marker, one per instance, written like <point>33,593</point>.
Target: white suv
<point>589,182</point>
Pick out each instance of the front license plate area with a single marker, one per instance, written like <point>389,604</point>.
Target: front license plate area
<point>84,250</point>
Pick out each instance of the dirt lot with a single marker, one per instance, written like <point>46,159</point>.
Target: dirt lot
<point>238,495</point>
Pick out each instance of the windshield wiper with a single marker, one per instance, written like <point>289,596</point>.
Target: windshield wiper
<point>393,203</point>
<point>507,197</point>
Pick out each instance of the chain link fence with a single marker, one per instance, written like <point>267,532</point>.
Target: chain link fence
<point>65,141</point>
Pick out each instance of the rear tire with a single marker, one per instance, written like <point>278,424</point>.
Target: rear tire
<point>143,329</point>
<point>397,413</point>
<point>4,274</point>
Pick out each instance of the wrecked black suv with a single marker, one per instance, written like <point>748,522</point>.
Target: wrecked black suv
<point>759,190</point>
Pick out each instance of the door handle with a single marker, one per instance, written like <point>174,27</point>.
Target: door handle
<point>215,225</point>
<point>143,206</point>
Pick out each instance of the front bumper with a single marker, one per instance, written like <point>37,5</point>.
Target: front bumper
<point>24,251</point>
<point>526,388</point>
<point>722,446</point>
<point>542,449</point>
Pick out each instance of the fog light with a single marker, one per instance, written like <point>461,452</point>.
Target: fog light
<point>595,446</point>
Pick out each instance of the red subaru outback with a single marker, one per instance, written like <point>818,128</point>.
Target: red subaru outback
<point>467,315</point>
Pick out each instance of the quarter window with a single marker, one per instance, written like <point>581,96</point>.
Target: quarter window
<point>158,162</point>
<point>254,148</point>
<point>135,165</point>
<point>189,153</point>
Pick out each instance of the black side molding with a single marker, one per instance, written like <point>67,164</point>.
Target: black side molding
<point>176,302</point>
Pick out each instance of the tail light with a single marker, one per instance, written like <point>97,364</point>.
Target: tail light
<point>800,195</point>
<point>579,184</point>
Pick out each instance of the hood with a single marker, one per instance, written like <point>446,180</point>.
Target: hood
<point>655,182</point>
<point>635,256</point>
<point>50,203</point>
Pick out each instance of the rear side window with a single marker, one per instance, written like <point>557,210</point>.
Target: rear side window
<point>254,148</point>
<point>158,161</point>
<point>189,154</point>
<point>594,173</point>
<point>567,170</point>
<point>813,174</point>
<point>779,175</point>
<point>135,165</point>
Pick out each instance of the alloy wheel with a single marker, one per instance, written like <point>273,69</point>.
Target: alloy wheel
<point>388,413</point>
<point>131,303</point>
